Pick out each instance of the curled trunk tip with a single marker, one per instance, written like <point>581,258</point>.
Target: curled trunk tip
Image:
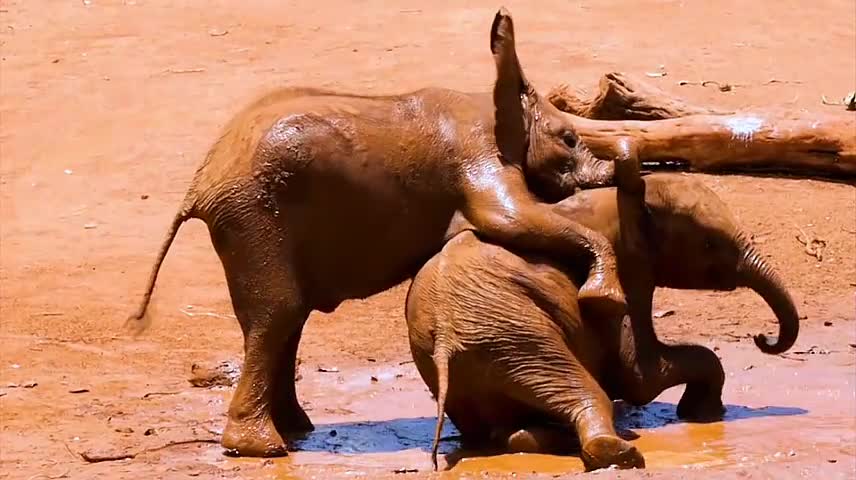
<point>757,274</point>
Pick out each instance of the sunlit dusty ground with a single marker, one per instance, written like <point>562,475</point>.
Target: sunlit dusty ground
<point>108,107</point>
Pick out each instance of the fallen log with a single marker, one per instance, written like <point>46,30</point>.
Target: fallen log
<point>672,133</point>
<point>622,98</point>
<point>769,141</point>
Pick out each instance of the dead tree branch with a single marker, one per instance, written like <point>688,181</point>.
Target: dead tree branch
<point>91,457</point>
<point>622,98</point>
<point>672,133</point>
<point>768,141</point>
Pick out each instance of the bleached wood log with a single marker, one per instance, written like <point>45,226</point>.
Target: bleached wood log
<point>668,131</point>
<point>779,141</point>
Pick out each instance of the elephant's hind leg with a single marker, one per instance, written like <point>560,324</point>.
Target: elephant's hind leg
<point>557,385</point>
<point>288,416</point>
<point>268,302</point>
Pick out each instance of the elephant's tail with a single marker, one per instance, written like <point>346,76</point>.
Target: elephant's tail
<point>138,321</point>
<point>441,363</point>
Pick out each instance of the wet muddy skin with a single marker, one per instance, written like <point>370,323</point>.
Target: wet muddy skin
<point>104,119</point>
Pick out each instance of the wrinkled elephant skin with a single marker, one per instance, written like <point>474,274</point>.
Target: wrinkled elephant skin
<point>499,339</point>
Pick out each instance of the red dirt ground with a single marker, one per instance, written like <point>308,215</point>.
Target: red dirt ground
<point>108,107</point>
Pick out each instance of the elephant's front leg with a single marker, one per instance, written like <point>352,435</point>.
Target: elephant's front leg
<point>650,367</point>
<point>701,370</point>
<point>501,209</point>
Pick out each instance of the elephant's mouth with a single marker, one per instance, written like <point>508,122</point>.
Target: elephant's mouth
<point>592,171</point>
<point>557,186</point>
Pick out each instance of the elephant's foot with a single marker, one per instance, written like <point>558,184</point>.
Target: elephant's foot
<point>253,437</point>
<point>700,405</point>
<point>540,440</point>
<point>605,450</point>
<point>523,441</point>
<point>601,295</point>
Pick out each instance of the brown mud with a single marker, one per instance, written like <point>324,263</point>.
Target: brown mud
<point>108,106</point>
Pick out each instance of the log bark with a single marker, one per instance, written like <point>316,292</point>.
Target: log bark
<point>622,98</point>
<point>773,141</point>
<point>668,131</point>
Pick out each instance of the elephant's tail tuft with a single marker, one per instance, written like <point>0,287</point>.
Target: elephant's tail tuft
<point>441,363</point>
<point>138,321</point>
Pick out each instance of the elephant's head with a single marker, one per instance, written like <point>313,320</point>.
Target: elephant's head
<point>694,242</point>
<point>533,133</point>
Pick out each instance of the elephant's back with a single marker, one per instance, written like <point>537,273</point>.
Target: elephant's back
<point>297,118</point>
<point>481,293</point>
<point>500,315</point>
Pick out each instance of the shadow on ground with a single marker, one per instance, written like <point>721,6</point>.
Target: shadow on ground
<point>417,433</point>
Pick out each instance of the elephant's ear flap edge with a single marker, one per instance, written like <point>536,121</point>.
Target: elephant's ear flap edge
<point>510,92</point>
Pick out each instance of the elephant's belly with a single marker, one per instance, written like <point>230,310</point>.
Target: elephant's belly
<point>365,247</point>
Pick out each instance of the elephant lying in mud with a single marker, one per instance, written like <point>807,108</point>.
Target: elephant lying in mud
<point>313,197</point>
<point>500,342</point>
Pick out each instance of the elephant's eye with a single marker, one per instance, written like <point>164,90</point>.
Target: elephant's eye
<point>570,139</point>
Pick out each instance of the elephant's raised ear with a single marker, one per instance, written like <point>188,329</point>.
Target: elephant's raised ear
<point>510,92</point>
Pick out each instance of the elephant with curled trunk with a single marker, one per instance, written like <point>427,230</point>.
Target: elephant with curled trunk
<point>499,339</point>
<point>313,197</point>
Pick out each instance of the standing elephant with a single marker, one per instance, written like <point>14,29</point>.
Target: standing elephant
<point>499,339</point>
<point>313,197</point>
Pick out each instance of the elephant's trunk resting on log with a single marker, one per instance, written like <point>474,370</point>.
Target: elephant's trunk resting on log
<point>668,130</point>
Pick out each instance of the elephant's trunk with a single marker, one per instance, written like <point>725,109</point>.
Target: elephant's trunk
<point>593,172</point>
<point>755,273</point>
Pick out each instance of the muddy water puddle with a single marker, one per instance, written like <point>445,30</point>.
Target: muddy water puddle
<point>778,410</point>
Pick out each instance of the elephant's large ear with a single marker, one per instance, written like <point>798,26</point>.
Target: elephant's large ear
<point>509,91</point>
